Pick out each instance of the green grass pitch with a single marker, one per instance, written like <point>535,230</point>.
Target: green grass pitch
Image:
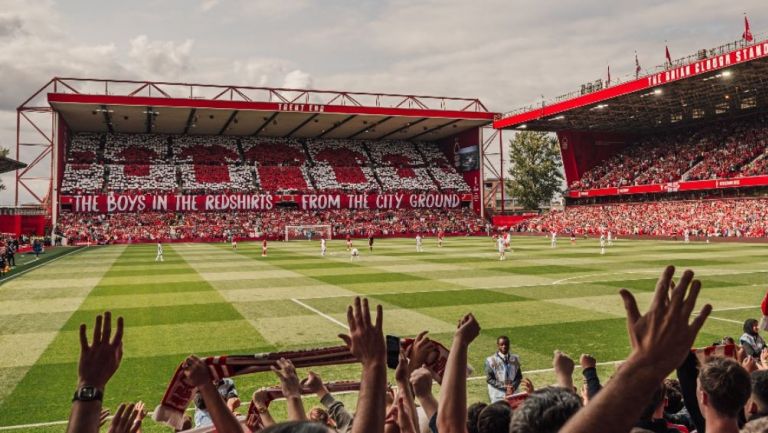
<point>209,300</point>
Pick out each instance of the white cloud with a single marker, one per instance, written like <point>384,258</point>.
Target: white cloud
<point>160,59</point>
<point>207,5</point>
<point>298,79</point>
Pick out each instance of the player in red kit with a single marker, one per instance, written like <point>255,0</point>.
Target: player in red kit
<point>264,248</point>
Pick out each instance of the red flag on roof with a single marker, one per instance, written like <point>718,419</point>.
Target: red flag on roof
<point>747,35</point>
<point>669,58</point>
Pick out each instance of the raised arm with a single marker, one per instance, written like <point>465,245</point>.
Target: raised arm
<point>336,410</point>
<point>289,381</point>
<point>452,408</point>
<point>661,339</point>
<point>589,370</point>
<point>366,342</point>
<point>405,394</point>
<point>98,362</point>
<point>563,366</point>
<point>421,380</point>
<point>198,375</point>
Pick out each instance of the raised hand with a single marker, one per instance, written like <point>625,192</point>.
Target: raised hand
<point>100,360</point>
<point>401,372</point>
<point>527,385</point>
<point>421,352</point>
<point>141,410</point>
<point>289,380</point>
<point>366,342</point>
<point>421,380</point>
<point>563,366</point>
<point>365,339</point>
<point>103,417</point>
<point>662,337</point>
<point>126,420</point>
<point>261,398</point>
<point>468,329</point>
<point>196,371</point>
<point>314,383</point>
<point>587,361</point>
<point>749,364</point>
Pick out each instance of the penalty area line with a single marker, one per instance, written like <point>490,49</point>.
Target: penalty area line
<point>318,312</point>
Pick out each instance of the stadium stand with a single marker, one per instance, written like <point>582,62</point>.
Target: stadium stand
<point>739,218</point>
<point>82,178</point>
<point>193,164</point>
<point>716,151</point>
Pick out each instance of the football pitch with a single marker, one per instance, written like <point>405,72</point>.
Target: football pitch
<point>210,300</point>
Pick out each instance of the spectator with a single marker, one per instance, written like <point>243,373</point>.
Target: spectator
<point>758,407</point>
<point>751,341</point>
<point>502,371</point>
<point>227,391</point>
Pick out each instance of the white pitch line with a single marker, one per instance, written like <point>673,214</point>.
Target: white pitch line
<point>10,277</point>
<point>36,425</point>
<point>733,308</point>
<point>547,370</point>
<point>725,320</point>
<point>320,313</point>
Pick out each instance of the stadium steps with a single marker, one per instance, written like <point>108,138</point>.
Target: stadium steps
<point>373,165</point>
<point>310,163</point>
<point>101,149</point>
<point>307,153</point>
<point>684,176</point>
<point>429,169</point>
<point>240,151</point>
<point>105,179</point>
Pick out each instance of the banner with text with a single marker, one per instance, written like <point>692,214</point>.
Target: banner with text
<point>694,185</point>
<point>111,203</point>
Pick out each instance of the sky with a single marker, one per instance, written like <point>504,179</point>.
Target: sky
<point>507,53</point>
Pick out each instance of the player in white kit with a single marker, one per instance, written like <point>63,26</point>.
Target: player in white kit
<point>553,243</point>
<point>323,247</point>
<point>686,236</point>
<point>502,248</point>
<point>159,256</point>
<point>354,254</point>
<point>602,244</point>
<point>610,239</point>
<point>419,248</point>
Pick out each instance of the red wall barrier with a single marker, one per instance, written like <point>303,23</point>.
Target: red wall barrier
<point>696,185</point>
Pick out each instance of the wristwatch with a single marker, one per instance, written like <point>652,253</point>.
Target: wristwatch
<point>88,393</point>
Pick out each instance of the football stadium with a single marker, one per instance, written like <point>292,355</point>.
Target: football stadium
<point>198,259</point>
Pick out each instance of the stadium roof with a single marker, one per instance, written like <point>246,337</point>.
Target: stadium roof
<point>712,85</point>
<point>177,108</point>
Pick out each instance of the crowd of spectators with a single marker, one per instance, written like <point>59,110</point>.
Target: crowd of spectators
<point>212,226</point>
<point>715,152</point>
<point>741,218</point>
<point>133,163</point>
<point>718,389</point>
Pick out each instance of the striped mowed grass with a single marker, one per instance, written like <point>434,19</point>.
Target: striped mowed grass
<point>208,299</point>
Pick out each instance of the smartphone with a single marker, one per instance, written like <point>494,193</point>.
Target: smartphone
<point>393,351</point>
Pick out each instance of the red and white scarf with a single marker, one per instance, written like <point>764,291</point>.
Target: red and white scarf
<point>180,392</point>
